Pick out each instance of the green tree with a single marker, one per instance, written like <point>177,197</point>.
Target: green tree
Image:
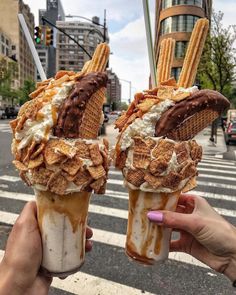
<point>8,72</point>
<point>23,93</point>
<point>218,63</point>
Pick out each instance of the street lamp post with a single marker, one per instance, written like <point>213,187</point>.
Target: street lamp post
<point>104,26</point>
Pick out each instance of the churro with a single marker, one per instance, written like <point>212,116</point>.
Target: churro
<point>194,52</point>
<point>165,61</point>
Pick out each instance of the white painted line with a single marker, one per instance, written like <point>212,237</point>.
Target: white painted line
<point>115,194</point>
<point>112,239</point>
<point>4,186</point>
<point>216,160</point>
<point>219,156</point>
<point>16,196</point>
<point>92,208</point>
<point>218,185</point>
<point>113,212</point>
<point>217,170</point>
<point>10,178</point>
<point>223,171</point>
<point>201,175</point>
<point>204,183</point>
<point>213,196</point>
<point>92,285</point>
<point>218,163</point>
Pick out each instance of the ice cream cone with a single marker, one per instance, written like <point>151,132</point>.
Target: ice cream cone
<point>62,222</point>
<point>147,242</point>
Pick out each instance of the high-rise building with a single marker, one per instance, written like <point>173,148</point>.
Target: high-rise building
<point>10,26</point>
<point>69,55</point>
<point>54,12</point>
<point>113,90</point>
<point>176,19</point>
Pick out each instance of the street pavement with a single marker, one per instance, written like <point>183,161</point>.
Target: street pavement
<point>107,270</point>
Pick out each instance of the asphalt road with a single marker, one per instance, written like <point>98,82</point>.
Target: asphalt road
<point>107,269</point>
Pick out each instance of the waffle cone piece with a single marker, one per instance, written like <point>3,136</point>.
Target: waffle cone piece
<point>165,61</point>
<point>194,52</point>
<point>91,120</point>
<point>187,118</point>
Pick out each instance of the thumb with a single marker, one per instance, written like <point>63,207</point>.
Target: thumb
<point>187,222</point>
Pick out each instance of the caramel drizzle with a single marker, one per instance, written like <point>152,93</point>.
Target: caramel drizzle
<point>151,233</point>
<point>74,206</point>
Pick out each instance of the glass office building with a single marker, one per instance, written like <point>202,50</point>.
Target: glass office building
<point>176,19</point>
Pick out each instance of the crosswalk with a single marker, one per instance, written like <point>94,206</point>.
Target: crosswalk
<point>107,270</point>
<point>5,128</point>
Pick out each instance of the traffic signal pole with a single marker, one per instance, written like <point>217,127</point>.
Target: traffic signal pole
<point>61,30</point>
<point>32,47</point>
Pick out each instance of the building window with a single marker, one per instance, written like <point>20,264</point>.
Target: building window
<point>180,49</point>
<point>176,73</point>
<point>178,23</point>
<point>170,3</point>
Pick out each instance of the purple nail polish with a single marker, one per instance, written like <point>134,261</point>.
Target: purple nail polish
<point>155,216</point>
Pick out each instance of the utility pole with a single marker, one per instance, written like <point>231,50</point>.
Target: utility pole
<point>104,26</point>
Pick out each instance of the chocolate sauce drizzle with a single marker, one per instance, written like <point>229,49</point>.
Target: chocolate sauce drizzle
<point>71,111</point>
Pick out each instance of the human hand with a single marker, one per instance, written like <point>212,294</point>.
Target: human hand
<point>21,262</point>
<point>204,234</point>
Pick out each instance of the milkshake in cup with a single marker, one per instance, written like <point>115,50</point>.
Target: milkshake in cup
<point>62,222</point>
<point>155,149</point>
<point>155,172</point>
<point>58,153</point>
<point>147,242</point>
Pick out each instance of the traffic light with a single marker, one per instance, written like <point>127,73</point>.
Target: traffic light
<point>38,35</point>
<point>49,36</point>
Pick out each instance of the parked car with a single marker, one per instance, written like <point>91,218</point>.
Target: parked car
<point>2,114</point>
<point>11,112</point>
<point>230,132</point>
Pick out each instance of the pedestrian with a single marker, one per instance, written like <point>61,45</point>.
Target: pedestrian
<point>19,269</point>
<point>204,234</point>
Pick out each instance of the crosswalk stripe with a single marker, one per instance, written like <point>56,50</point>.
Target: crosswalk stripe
<point>204,183</point>
<point>82,283</point>
<point>218,161</point>
<point>113,212</point>
<point>223,171</point>
<point>10,178</point>
<point>217,170</point>
<point>109,238</point>
<point>120,182</point>
<point>115,194</point>
<point>233,167</point>
<point>202,175</point>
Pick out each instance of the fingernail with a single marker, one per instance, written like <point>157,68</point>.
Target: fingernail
<point>155,216</point>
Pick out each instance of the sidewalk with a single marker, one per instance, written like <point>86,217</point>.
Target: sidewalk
<point>209,148</point>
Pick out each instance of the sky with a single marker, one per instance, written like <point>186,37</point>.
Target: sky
<point>129,58</point>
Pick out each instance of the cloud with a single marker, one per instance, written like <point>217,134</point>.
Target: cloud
<point>130,57</point>
<point>228,8</point>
